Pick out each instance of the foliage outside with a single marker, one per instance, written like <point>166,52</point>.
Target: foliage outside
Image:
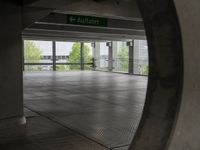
<point>122,61</point>
<point>145,70</point>
<point>74,56</point>
<point>32,54</point>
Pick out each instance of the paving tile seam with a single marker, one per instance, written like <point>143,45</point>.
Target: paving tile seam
<point>77,83</point>
<point>76,113</point>
<point>112,103</point>
<point>121,146</point>
<point>68,128</point>
<point>96,99</point>
<point>67,115</point>
<point>86,92</point>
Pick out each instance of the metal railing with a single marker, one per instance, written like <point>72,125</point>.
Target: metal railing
<point>121,65</point>
<point>140,67</point>
<point>49,66</point>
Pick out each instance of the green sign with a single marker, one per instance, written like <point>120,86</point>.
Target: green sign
<point>87,20</point>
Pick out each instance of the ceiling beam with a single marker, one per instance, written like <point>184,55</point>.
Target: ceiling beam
<point>79,29</point>
<point>61,19</point>
<point>71,36</point>
<point>31,14</point>
<point>127,9</point>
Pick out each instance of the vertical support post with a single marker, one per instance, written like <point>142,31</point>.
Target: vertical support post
<point>97,55</point>
<point>131,56</point>
<point>54,54</point>
<point>110,56</point>
<point>82,55</point>
<point>11,75</point>
<point>93,56</point>
<point>137,56</point>
<point>114,55</point>
<point>23,67</point>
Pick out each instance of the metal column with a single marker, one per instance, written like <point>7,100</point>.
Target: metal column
<point>54,55</point>
<point>110,56</point>
<point>131,56</point>
<point>82,55</point>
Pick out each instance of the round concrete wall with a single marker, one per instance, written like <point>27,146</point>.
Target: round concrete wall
<point>171,115</point>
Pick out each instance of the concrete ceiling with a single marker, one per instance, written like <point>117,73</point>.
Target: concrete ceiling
<point>124,19</point>
<point>126,9</point>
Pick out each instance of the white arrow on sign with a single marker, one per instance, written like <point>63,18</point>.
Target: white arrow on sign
<point>72,19</point>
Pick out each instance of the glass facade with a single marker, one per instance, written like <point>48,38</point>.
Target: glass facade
<point>140,57</point>
<point>120,57</point>
<point>65,56</point>
<point>88,57</point>
<point>38,55</point>
<point>38,67</point>
<point>102,60</point>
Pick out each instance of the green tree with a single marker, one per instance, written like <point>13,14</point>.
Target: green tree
<point>123,58</point>
<point>74,56</point>
<point>123,61</point>
<point>32,54</point>
<point>62,68</point>
<point>145,70</point>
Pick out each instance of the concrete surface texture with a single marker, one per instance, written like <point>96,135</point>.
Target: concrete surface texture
<point>11,72</point>
<point>165,78</point>
<point>172,106</point>
<point>11,99</point>
<point>81,110</point>
<point>186,135</point>
<point>162,31</point>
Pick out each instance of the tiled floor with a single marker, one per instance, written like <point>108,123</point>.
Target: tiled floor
<point>81,110</point>
<point>44,134</point>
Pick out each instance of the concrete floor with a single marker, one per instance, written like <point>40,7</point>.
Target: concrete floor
<point>80,110</point>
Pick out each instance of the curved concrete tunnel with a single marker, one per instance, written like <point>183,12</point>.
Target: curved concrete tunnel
<point>171,115</point>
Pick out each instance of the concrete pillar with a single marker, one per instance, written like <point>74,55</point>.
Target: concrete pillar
<point>54,54</point>
<point>114,54</point>
<point>110,56</point>
<point>11,87</point>
<point>82,55</point>
<point>96,52</point>
<point>23,59</point>
<point>136,57</point>
<point>131,57</point>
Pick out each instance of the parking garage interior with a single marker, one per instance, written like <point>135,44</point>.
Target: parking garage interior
<point>99,74</point>
<point>85,90</point>
<point>87,86</point>
<point>84,76</point>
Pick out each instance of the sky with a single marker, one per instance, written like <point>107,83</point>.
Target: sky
<point>63,48</point>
